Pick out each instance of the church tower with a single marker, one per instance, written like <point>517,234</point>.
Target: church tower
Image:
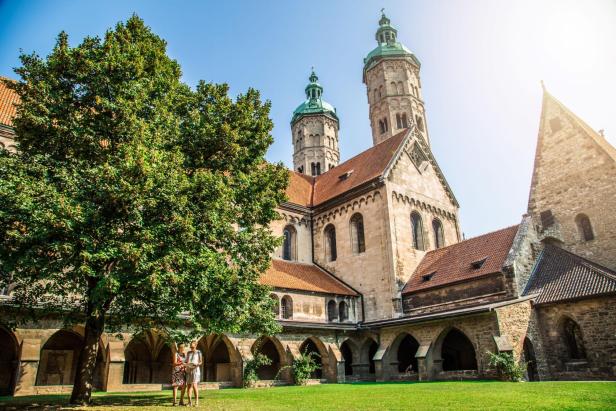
<point>314,129</point>
<point>391,75</point>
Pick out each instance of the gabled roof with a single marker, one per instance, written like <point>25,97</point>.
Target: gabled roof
<point>365,166</point>
<point>559,275</point>
<point>454,263</point>
<point>303,277</point>
<point>8,99</point>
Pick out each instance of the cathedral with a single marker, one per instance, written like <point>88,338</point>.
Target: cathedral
<point>373,274</point>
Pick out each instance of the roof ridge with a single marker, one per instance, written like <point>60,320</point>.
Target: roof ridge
<point>472,238</point>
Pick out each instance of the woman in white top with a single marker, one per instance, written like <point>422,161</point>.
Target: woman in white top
<point>194,360</point>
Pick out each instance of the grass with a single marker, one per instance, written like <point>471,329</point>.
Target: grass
<point>478,395</point>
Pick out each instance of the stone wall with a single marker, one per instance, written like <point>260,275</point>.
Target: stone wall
<point>596,319</point>
<point>575,174</point>
<point>315,140</point>
<point>303,242</point>
<point>369,272</point>
<point>312,307</point>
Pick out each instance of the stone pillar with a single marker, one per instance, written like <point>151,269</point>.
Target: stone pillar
<point>340,375</point>
<point>423,369</point>
<point>30,353</point>
<point>115,373</point>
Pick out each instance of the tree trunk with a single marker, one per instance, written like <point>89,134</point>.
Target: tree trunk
<point>82,388</point>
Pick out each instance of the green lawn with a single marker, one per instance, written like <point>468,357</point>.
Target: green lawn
<point>480,395</point>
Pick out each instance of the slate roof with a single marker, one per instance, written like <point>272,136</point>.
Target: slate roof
<point>453,264</point>
<point>305,277</point>
<point>559,275</point>
<point>8,99</point>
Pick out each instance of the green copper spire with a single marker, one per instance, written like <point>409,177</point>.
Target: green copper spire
<point>386,36</point>
<point>314,104</point>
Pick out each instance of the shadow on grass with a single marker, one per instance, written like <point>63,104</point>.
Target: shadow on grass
<point>60,402</point>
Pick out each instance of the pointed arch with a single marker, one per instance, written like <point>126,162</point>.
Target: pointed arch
<point>316,346</point>
<point>572,338</point>
<point>456,351</point>
<point>58,359</point>
<point>347,354</point>
<point>272,349</point>
<point>276,306</point>
<point>9,355</point>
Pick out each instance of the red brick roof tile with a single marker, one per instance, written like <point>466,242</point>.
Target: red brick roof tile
<point>299,190</point>
<point>303,277</point>
<point>365,166</point>
<point>453,264</point>
<point>8,99</point>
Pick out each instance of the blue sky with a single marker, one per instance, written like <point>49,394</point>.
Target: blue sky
<point>482,62</point>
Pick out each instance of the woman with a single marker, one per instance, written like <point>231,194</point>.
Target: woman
<point>194,360</point>
<point>178,375</point>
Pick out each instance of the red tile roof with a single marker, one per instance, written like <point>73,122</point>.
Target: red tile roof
<point>364,166</point>
<point>560,276</point>
<point>370,164</point>
<point>8,99</point>
<point>453,264</point>
<point>303,277</point>
<point>299,190</point>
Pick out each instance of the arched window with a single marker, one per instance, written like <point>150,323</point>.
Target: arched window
<point>394,89</point>
<point>398,120</point>
<point>286,307</point>
<point>330,243</point>
<point>381,126</point>
<point>584,227</point>
<point>289,246</point>
<point>405,122</point>
<point>385,123</point>
<point>343,311</point>
<point>313,169</point>
<point>276,306</point>
<point>417,227</point>
<point>318,169</point>
<point>572,336</point>
<point>380,91</point>
<point>420,124</point>
<point>358,243</point>
<point>400,88</point>
<point>439,237</point>
<point>332,313</point>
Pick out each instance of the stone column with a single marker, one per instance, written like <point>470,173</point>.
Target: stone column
<point>340,376</point>
<point>423,370</point>
<point>30,353</point>
<point>115,372</point>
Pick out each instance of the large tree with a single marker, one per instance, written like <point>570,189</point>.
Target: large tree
<point>134,200</point>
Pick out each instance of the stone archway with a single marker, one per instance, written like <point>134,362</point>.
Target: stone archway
<point>321,357</point>
<point>532,373</point>
<point>148,359</point>
<point>347,354</point>
<point>58,363</point>
<point>223,362</point>
<point>137,361</point>
<point>272,349</point>
<point>367,352</point>
<point>456,351</point>
<point>400,362</point>
<point>8,361</point>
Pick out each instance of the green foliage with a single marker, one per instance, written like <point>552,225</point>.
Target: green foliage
<point>303,366</point>
<point>507,366</point>
<point>123,204</point>
<point>251,366</point>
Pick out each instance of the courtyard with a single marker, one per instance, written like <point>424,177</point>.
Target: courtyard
<point>484,395</point>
